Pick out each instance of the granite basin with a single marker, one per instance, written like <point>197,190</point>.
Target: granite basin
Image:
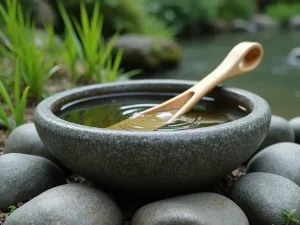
<point>159,161</point>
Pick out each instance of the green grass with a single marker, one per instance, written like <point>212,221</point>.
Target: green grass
<point>290,217</point>
<point>16,108</point>
<point>36,66</point>
<point>85,45</point>
<point>283,11</point>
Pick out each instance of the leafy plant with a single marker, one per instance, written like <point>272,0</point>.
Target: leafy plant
<point>290,217</point>
<point>20,39</point>
<point>11,210</point>
<point>16,108</point>
<point>236,9</point>
<point>283,11</point>
<point>89,48</point>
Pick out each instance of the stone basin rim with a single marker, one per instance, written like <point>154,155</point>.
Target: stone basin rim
<point>45,109</point>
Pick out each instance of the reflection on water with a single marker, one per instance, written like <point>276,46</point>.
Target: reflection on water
<point>276,80</point>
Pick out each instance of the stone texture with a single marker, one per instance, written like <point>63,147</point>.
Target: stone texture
<point>159,161</point>
<point>294,57</point>
<point>148,53</point>
<point>263,196</point>
<point>44,13</point>
<point>281,159</point>
<point>295,124</point>
<point>279,131</point>
<point>71,204</point>
<point>242,26</point>
<point>294,22</point>
<point>193,209</point>
<point>25,139</point>
<point>264,22</point>
<point>25,176</point>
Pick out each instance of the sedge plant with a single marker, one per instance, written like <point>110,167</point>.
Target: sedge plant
<point>84,43</point>
<point>290,217</point>
<point>15,108</point>
<point>20,39</point>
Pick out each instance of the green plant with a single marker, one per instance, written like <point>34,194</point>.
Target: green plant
<point>283,11</point>
<point>182,14</point>
<point>290,217</point>
<point>20,39</point>
<point>89,47</point>
<point>16,108</point>
<point>11,210</point>
<point>229,10</point>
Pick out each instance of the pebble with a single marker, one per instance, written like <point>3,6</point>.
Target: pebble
<point>70,204</point>
<point>263,196</point>
<point>193,209</point>
<point>25,176</point>
<point>295,124</point>
<point>281,159</point>
<point>25,139</point>
<point>279,131</point>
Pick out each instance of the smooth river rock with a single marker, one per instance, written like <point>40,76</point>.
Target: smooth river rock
<point>281,159</point>
<point>295,124</point>
<point>25,176</point>
<point>279,131</point>
<point>194,209</point>
<point>263,196</point>
<point>70,204</point>
<point>25,139</point>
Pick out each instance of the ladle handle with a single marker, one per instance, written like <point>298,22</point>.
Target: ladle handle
<point>243,58</point>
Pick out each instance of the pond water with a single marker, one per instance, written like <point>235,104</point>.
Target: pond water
<point>276,80</point>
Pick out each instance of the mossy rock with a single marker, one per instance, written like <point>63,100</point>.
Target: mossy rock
<point>147,53</point>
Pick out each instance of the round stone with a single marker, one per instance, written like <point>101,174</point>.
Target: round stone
<point>281,159</point>
<point>263,197</point>
<point>70,204</point>
<point>295,124</point>
<point>199,208</point>
<point>279,131</point>
<point>25,176</point>
<point>25,139</point>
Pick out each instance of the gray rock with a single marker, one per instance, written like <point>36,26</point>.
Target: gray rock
<point>263,196</point>
<point>281,159</point>
<point>70,204</point>
<point>193,209</point>
<point>294,57</point>
<point>294,22</point>
<point>148,53</point>
<point>264,22</point>
<point>25,139</point>
<point>243,26</point>
<point>295,124</point>
<point>25,176</point>
<point>279,131</point>
<point>44,13</point>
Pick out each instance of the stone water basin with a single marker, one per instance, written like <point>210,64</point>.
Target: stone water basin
<point>159,161</point>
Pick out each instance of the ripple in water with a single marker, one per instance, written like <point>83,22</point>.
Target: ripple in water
<point>105,111</point>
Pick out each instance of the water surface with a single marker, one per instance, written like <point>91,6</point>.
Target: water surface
<point>276,80</point>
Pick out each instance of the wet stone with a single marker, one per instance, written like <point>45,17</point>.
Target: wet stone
<point>281,159</point>
<point>25,176</point>
<point>279,131</point>
<point>70,204</point>
<point>263,196</point>
<point>194,209</point>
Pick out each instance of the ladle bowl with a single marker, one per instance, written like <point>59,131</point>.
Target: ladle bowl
<point>157,161</point>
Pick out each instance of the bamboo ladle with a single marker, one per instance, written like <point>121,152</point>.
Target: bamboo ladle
<point>244,57</point>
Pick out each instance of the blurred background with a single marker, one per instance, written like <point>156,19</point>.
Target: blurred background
<point>185,39</point>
